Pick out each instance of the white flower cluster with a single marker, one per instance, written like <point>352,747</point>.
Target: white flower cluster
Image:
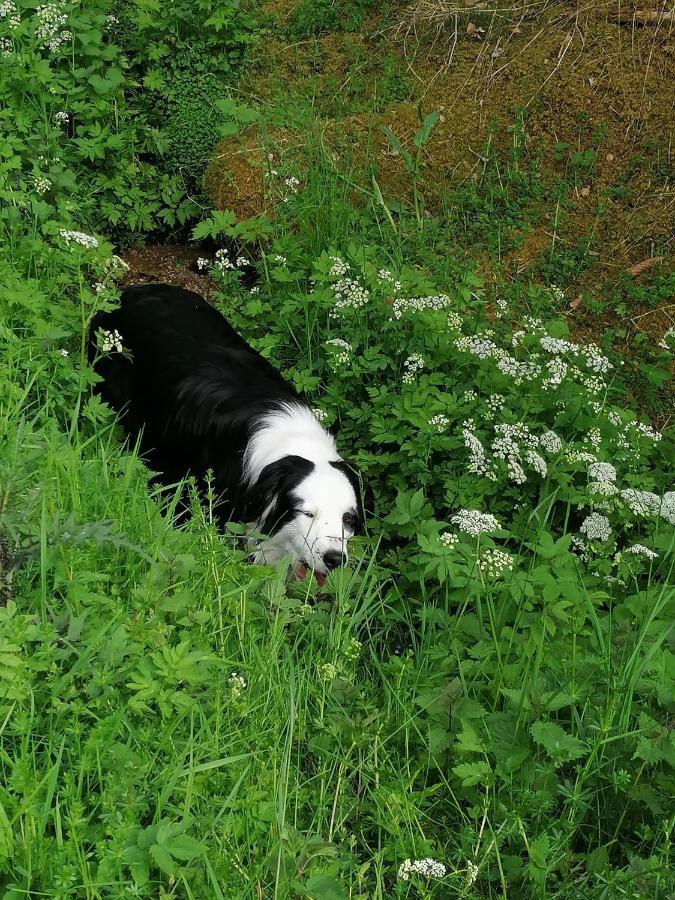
<point>78,237</point>
<point>292,183</point>
<point>439,422</point>
<point>282,260</point>
<point>474,522</point>
<point>427,867</point>
<point>41,184</point>
<point>223,262</point>
<point>596,527</point>
<point>641,550</point>
<point>349,294</point>
<point>237,685</point>
<point>557,293</point>
<point>495,403</point>
<point>10,12</point>
<point>449,540</point>
<point>339,268</point>
<point>510,443</point>
<point>667,510</point>
<point>110,340</point>
<point>342,352</point>
<point>402,305</point>
<point>641,503</point>
<point>385,277</point>
<point>6,46</point>
<point>493,563</point>
<point>49,29</point>
<point>601,471</point>
<point>454,321</point>
<point>667,342</point>
<point>412,365</point>
<point>61,117</point>
<point>319,415</point>
<point>478,461</point>
<point>550,442</point>
<point>327,672</point>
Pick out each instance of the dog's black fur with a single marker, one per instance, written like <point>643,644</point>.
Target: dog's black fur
<point>191,390</point>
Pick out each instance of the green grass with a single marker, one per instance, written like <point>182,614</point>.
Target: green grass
<point>175,722</point>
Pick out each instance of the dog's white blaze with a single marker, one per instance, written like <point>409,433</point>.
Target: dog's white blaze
<point>290,430</point>
<point>326,493</point>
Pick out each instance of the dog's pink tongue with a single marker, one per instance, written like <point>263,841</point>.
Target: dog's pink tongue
<point>300,570</point>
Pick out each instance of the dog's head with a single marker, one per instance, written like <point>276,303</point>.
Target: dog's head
<point>310,510</point>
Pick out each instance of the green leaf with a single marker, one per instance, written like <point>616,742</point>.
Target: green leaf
<point>557,743</point>
<point>184,847</point>
<point>324,887</point>
<point>163,859</point>
<point>424,133</point>
<point>472,773</point>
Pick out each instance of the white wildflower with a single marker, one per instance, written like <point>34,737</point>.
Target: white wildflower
<point>78,237</point>
<point>349,294</point>
<point>342,352</point>
<point>319,415</point>
<point>428,867</point>
<point>454,321</point>
<point>550,442</point>
<point>61,117</point>
<point>557,345</point>
<point>64,352</point>
<point>474,522</point>
<point>223,262</point>
<point>667,342</point>
<point>536,462</point>
<point>493,563</point>
<point>41,184</point>
<point>439,422</point>
<point>237,685</point>
<point>557,293</point>
<point>601,471</point>
<point>339,267</point>
<point>241,261</point>
<point>596,527</point>
<point>327,672</point>
<point>667,508</point>
<point>10,12</point>
<point>49,29</point>
<point>449,540</point>
<point>6,46</point>
<point>641,503</point>
<point>648,432</point>
<point>280,259</point>
<point>402,305</point>
<point>478,462</point>
<point>203,263</point>
<point>495,403</point>
<point>110,340</point>
<point>603,489</point>
<point>472,871</point>
<point>412,365</point>
<point>641,550</point>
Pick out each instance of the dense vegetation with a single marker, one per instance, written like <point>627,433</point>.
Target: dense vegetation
<point>481,705</point>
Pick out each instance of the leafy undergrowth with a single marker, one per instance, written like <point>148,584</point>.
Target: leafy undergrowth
<point>480,706</point>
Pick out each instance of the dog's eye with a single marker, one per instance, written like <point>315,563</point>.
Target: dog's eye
<point>350,521</point>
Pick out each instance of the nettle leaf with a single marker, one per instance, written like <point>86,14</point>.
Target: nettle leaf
<point>468,740</point>
<point>557,743</point>
<point>324,887</point>
<point>473,773</point>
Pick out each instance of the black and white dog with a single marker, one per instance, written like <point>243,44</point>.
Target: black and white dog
<point>200,398</point>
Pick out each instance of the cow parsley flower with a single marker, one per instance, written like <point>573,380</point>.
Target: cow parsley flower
<point>478,461</point>
<point>596,527</point>
<point>474,522</point>
<point>449,540</point>
<point>342,351</point>
<point>439,422</point>
<point>349,294</point>
<point>61,117</point>
<point>641,550</point>
<point>10,12</point>
<point>327,672</point>
<point>550,442</point>
<point>202,263</point>
<point>641,503</point>
<point>427,867</point>
<point>402,305</point>
<point>78,237</point>
<point>319,415</point>
<point>667,508</point>
<point>6,46</point>
<point>41,184</point>
<point>493,563</point>
<point>667,342</point>
<point>603,488</point>
<point>339,267</point>
<point>601,471</point>
<point>49,29</point>
<point>237,685</point>
<point>110,340</point>
<point>223,262</point>
<point>412,365</point>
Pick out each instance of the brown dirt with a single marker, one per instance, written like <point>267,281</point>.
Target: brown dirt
<point>168,264</point>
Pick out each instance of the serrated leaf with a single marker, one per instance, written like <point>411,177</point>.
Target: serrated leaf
<point>163,859</point>
<point>324,887</point>
<point>472,773</point>
<point>558,744</point>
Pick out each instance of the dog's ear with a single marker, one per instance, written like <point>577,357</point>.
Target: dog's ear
<point>271,501</point>
<point>364,494</point>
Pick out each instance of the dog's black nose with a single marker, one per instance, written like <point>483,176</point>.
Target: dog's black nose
<point>333,559</point>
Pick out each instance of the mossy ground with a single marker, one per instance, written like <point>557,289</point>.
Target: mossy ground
<point>551,161</point>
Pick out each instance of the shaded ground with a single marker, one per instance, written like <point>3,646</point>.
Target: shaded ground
<point>169,264</point>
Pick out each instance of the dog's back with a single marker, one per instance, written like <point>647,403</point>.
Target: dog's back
<point>185,382</point>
